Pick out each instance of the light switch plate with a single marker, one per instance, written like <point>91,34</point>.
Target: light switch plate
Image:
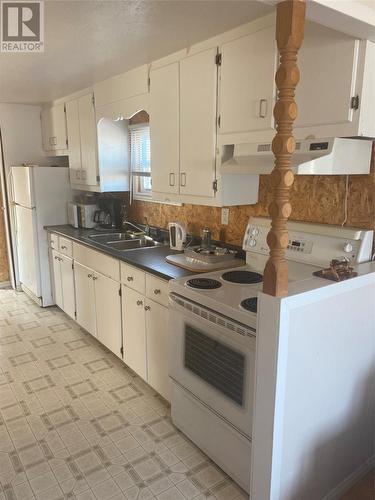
<point>225,216</point>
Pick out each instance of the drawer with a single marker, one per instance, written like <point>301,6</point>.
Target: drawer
<point>54,241</point>
<point>97,261</point>
<point>133,278</point>
<point>65,246</point>
<point>157,289</point>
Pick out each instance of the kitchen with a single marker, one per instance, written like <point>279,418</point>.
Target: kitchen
<point>128,373</point>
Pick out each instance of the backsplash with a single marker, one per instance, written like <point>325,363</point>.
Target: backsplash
<point>319,199</point>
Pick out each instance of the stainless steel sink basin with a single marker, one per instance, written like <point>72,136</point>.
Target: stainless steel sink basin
<point>124,241</point>
<point>111,237</point>
<point>134,244</point>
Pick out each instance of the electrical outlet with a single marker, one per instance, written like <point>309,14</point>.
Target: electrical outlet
<point>225,216</point>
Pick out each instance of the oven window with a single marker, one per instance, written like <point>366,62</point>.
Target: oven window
<point>216,363</point>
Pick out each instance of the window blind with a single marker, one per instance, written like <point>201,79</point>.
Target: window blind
<point>140,155</point>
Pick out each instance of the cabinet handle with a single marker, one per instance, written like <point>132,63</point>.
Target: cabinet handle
<point>262,108</point>
<point>60,259</point>
<point>94,278</point>
<point>139,302</point>
<point>89,275</point>
<point>56,258</point>
<point>171,179</point>
<point>130,278</point>
<point>183,179</point>
<point>64,247</point>
<point>147,308</point>
<point>157,291</point>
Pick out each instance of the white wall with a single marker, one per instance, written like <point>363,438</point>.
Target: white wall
<point>313,429</point>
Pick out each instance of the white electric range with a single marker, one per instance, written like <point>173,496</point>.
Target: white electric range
<point>213,322</point>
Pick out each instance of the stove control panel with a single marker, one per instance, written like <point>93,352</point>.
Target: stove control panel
<point>315,244</point>
<point>298,245</point>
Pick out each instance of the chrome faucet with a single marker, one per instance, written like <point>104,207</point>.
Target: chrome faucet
<point>127,223</point>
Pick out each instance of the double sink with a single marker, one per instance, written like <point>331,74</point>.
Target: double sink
<point>124,241</point>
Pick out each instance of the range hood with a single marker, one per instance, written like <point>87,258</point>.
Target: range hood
<point>329,156</point>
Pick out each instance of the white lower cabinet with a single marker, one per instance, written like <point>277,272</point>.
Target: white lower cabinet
<point>108,312</point>
<point>85,298</point>
<point>145,333</point>
<point>134,331</point>
<point>63,278</point>
<point>99,306</point>
<point>158,348</point>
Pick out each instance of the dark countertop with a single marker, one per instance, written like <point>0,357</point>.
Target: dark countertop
<point>151,259</point>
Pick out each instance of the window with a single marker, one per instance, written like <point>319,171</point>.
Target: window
<point>140,159</point>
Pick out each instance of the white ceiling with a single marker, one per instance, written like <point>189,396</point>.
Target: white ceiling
<point>88,41</point>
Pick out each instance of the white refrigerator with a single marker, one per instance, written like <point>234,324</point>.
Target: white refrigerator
<point>39,198</point>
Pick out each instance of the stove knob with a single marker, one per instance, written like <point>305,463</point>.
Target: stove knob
<point>348,248</point>
<point>252,242</point>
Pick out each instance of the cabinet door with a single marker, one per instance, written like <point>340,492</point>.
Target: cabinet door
<point>59,135</point>
<point>67,286</point>
<point>247,88</point>
<point>198,88</point>
<point>158,348</point>
<point>164,128</point>
<point>85,298</point>
<point>57,285</point>
<point>134,331</point>
<point>108,313</point>
<point>328,66</point>
<point>46,122</point>
<point>88,135</point>
<point>74,141</point>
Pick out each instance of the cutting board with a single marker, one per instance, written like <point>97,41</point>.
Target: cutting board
<point>180,260</point>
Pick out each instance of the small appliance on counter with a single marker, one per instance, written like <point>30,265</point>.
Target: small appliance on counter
<point>73,219</point>
<point>108,214</point>
<point>177,235</point>
<point>86,214</point>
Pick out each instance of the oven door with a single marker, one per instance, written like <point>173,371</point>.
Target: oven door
<point>213,357</point>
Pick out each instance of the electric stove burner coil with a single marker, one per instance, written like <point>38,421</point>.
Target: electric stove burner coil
<point>250,304</point>
<point>203,283</point>
<point>242,277</point>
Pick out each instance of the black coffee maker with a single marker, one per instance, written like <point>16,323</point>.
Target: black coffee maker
<point>109,215</point>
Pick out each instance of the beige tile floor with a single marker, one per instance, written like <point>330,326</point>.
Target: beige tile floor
<point>76,423</point>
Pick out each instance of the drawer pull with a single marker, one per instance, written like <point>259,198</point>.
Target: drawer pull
<point>89,275</point>
<point>139,302</point>
<point>157,291</point>
<point>147,308</point>
<point>130,278</point>
<point>56,258</point>
<point>64,247</point>
<point>94,278</point>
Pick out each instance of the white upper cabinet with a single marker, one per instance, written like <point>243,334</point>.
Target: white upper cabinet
<point>54,134</point>
<point>164,128</point>
<point>81,124</point>
<point>333,95</point>
<point>87,126</point>
<point>123,86</point>
<point>198,96</point>
<point>247,88</point>
<point>74,139</point>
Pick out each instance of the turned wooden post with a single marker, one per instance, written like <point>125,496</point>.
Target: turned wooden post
<point>290,23</point>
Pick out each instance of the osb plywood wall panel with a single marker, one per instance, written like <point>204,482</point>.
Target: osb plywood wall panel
<point>4,270</point>
<point>319,199</point>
